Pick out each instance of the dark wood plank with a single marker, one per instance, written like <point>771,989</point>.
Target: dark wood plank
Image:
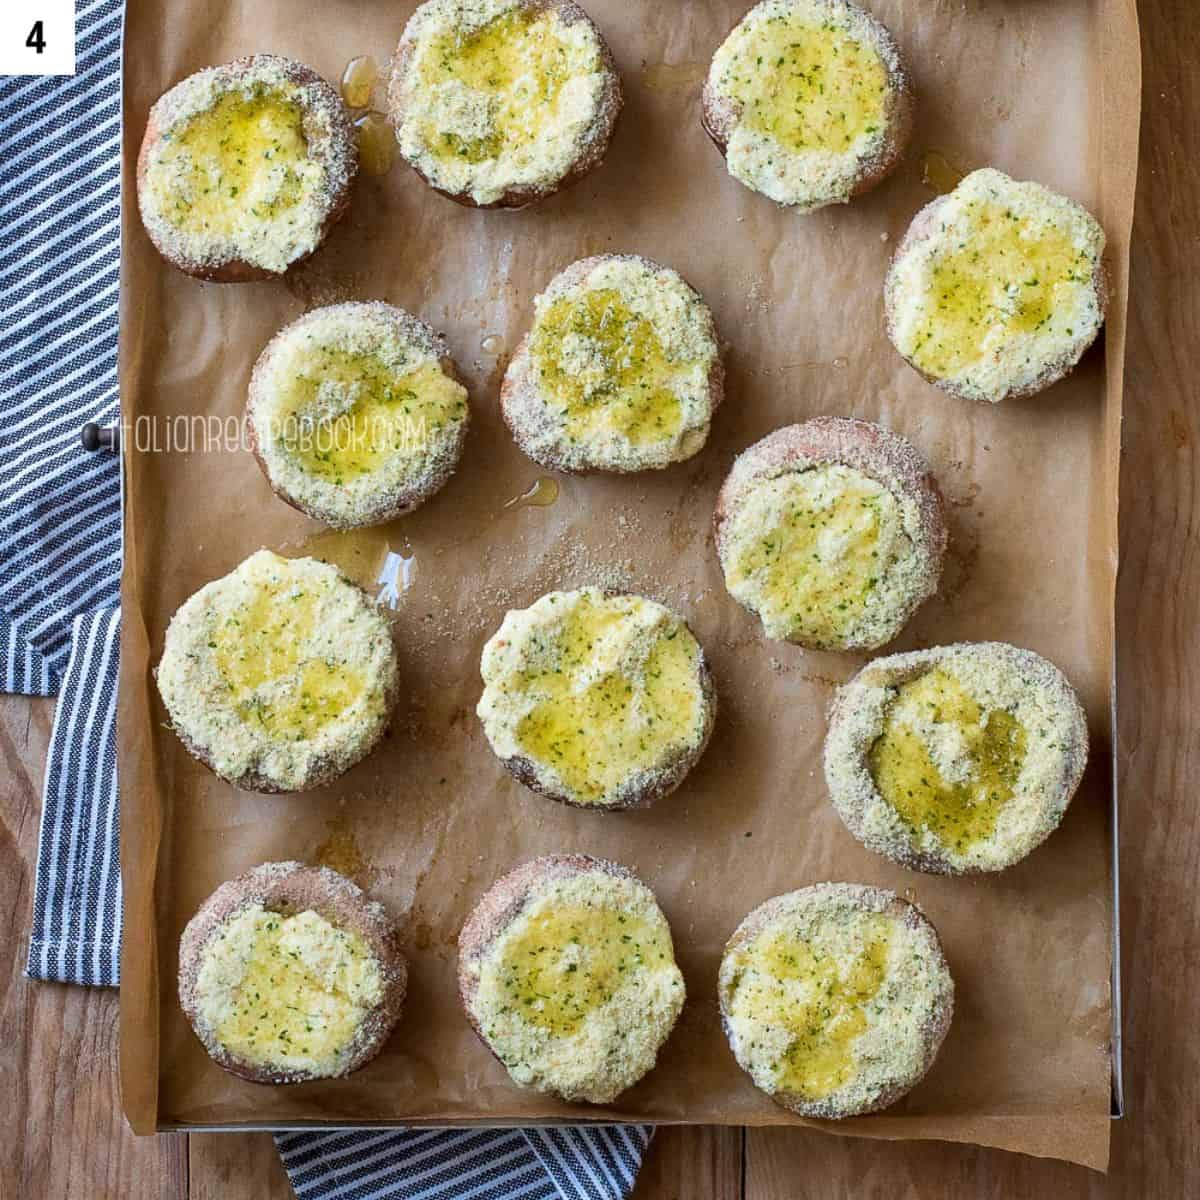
<point>225,1166</point>
<point>802,1164</point>
<point>1155,1151</point>
<point>65,1133</point>
<point>692,1163</point>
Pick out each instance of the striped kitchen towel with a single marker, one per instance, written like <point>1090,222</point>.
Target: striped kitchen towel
<point>60,556</point>
<point>60,509</point>
<point>76,933</point>
<point>595,1163</point>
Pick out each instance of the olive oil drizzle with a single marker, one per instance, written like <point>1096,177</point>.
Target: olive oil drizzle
<point>280,674</point>
<point>815,550</point>
<point>568,960</point>
<point>516,45</point>
<point>989,752</point>
<point>787,981</point>
<point>240,158</point>
<point>1007,278</point>
<point>286,1007</point>
<point>624,386</point>
<point>805,85</point>
<point>625,719</point>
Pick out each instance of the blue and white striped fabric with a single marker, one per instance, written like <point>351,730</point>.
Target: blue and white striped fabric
<point>60,509</point>
<point>60,513</point>
<point>22,669</point>
<point>60,556</point>
<point>598,1163</point>
<point>76,934</point>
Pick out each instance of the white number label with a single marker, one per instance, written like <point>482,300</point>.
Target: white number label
<point>37,37</point>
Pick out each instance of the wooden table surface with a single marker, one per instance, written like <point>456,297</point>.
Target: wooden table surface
<point>66,1136</point>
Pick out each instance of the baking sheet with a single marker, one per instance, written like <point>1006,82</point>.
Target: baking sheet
<point>430,820</point>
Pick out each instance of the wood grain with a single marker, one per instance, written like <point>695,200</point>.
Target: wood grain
<point>693,1163</point>
<point>226,1166</point>
<point>65,1134</point>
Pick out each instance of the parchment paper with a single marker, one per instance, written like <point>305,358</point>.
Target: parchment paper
<point>1045,91</point>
